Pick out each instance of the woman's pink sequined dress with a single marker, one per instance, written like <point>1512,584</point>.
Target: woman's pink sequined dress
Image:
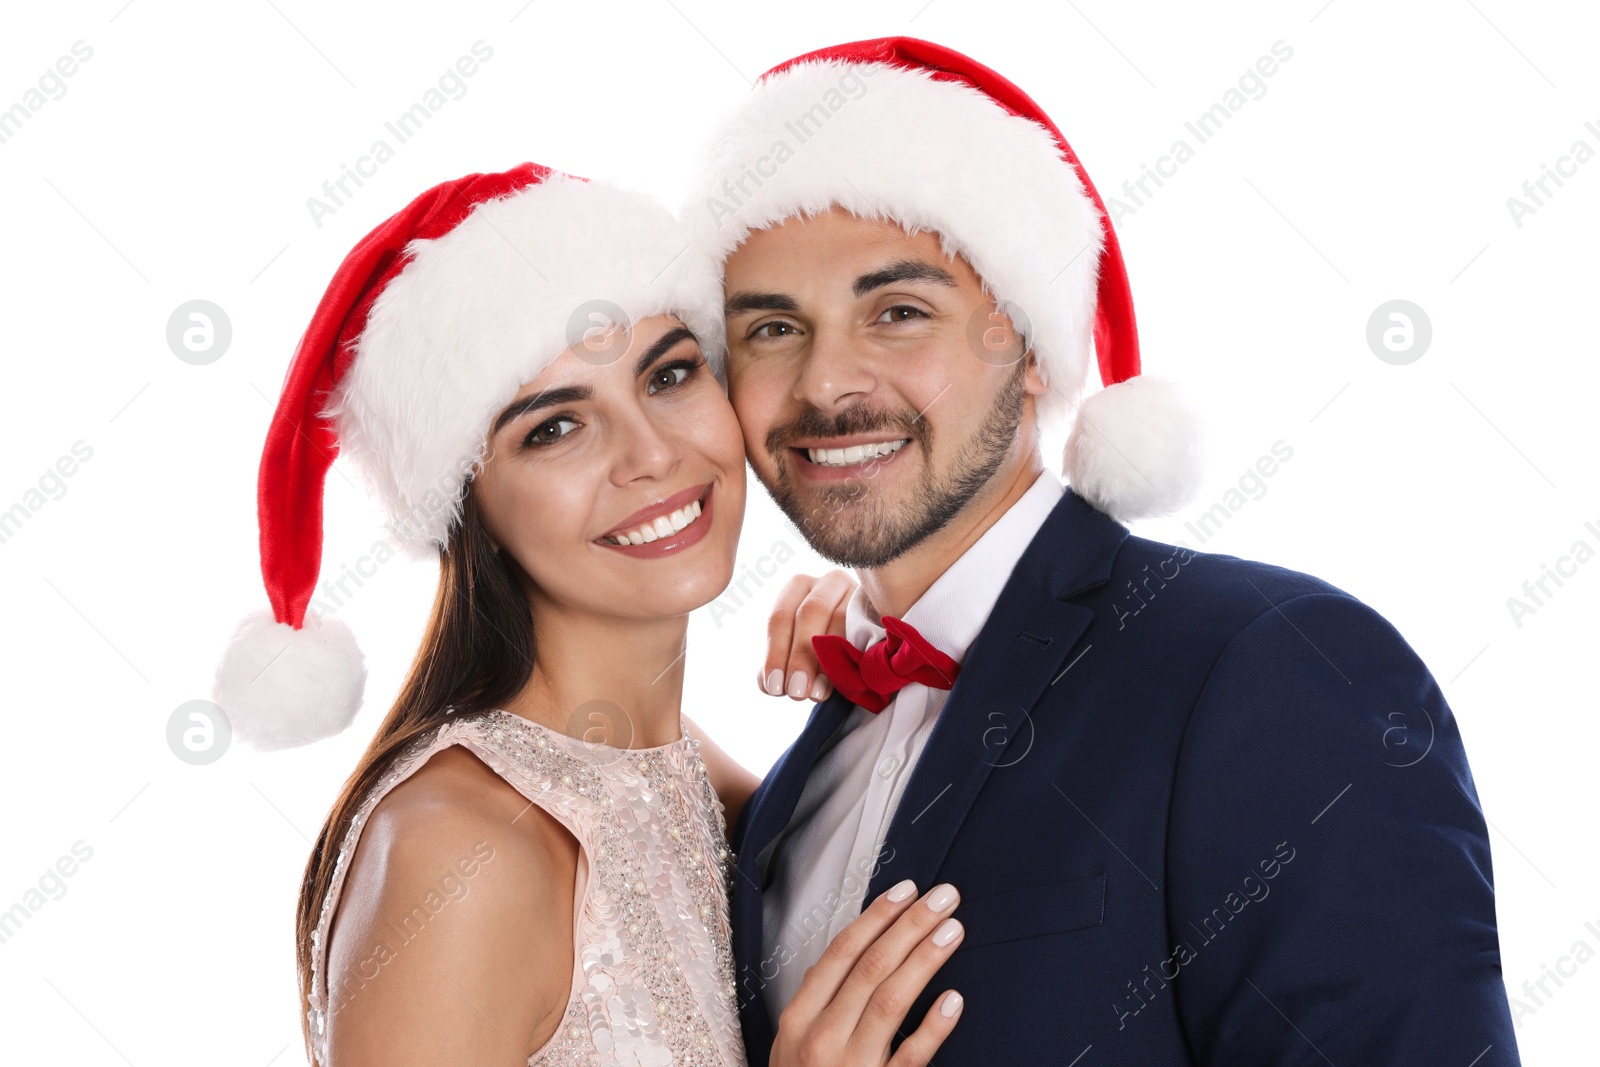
<point>652,980</point>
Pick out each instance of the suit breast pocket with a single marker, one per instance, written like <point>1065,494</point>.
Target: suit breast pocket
<point>1036,911</point>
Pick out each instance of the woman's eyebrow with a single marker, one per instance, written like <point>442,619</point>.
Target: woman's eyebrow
<point>572,394</point>
<point>665,343</point>
<point>566,394</point>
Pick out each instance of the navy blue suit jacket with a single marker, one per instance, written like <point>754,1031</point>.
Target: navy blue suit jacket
<point>1200,811</point>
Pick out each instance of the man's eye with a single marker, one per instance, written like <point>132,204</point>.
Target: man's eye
<point>773,329</point>
<point>549,432</point>
<point>902,313</point>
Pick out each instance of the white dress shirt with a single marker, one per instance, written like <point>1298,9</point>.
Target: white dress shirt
<point>825,857</point>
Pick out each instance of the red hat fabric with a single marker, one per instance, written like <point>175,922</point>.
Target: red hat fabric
<point>1116,333</point>
<point>906,130</point>
<point>302,443</point>
<point>430,326</point>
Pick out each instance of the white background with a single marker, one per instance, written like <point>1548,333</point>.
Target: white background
<point>177,165</point>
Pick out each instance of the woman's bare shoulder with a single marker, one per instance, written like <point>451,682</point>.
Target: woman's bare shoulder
<point>453,791</point>
<point>454,930</point>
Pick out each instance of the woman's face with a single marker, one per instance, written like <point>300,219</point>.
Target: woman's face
<point>615,478</point>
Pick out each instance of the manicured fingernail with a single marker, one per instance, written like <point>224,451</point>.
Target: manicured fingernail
<point>942,898</point>
<point>948,931</point>
<point>901,891</point>
<point>819,688</point>
<point>774,686</point>
<point>797,684</point>
<point>950,1004</point>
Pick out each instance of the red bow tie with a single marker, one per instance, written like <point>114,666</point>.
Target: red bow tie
<point>871,678</point>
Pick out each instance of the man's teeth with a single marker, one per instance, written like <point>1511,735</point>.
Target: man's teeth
<point>846,457</point>
<point>662,526</point>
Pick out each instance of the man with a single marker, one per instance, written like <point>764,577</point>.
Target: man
<point>1199,810</point>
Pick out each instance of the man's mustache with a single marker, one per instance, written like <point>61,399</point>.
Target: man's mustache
<point>849,422</point>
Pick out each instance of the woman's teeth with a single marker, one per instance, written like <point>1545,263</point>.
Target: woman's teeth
<point>847,457</point>
<point>663,526</point>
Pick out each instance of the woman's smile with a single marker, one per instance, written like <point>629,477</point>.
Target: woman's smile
<point>665,528</point>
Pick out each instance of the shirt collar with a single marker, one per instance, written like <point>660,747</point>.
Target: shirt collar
<point>954,608</point>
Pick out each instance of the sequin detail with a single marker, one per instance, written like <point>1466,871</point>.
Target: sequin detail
<point>653,958</point>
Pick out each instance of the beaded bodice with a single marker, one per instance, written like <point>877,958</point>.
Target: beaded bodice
<point>652,979</point>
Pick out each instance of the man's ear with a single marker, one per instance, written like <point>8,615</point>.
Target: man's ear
<point>1033,376</point>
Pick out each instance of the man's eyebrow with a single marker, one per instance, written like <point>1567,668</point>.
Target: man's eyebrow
<point>906,270</point>
<point>549,398</point>
<point>741,302</point>
<point>665,343</point>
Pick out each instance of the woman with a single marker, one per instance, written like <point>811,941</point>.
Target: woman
<point>528,863</point>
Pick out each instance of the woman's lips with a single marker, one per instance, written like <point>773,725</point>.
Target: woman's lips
<point>672,543</point>
<point>665,507</point>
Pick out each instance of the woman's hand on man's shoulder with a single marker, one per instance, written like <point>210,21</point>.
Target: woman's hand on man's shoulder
<point>807,607</point>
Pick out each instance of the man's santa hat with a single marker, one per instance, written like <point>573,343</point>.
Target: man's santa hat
<point>911,132</point>
<point>430,327</point>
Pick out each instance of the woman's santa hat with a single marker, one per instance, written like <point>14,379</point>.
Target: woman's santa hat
<point>911,132</point>
<point>431,326</point>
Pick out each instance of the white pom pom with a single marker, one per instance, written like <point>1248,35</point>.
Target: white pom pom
<point>1134,452</point>
<point>281,687</point>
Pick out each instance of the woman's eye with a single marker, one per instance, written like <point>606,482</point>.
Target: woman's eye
<point>902,313</point>
<point>549,432</point>
<point>667,377</point>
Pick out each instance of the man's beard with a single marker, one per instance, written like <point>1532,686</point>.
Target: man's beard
<point>847,525</point>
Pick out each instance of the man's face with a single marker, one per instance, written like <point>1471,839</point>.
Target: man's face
<point>877,387</point>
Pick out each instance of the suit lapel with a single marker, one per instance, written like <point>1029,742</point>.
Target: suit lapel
<point>1023,648</point>
<point>780,790</point>
<point>766,814</point>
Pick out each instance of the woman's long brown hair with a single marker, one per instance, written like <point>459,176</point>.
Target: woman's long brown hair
<point>476,655</point>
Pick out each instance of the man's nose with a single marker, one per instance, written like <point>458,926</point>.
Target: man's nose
<point>837,372</point>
